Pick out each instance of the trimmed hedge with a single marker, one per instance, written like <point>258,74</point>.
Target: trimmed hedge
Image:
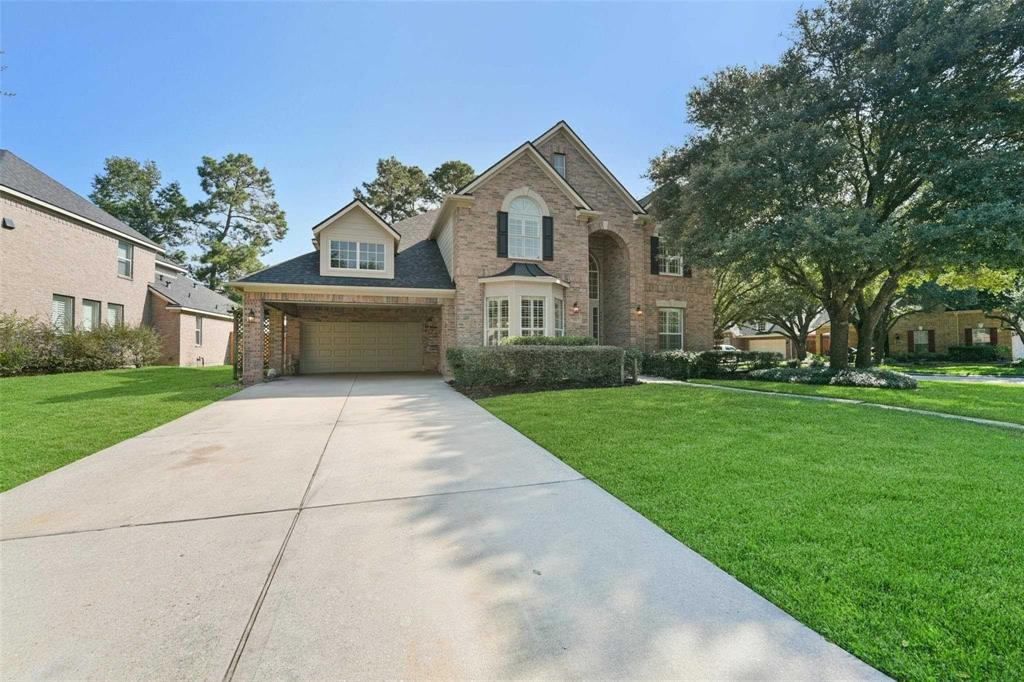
<point>709,364</point>
<point>549,341</point>
<point>28,345</point>
<point>868,378</point>
<point>978,353</point>
<point>536,366</point>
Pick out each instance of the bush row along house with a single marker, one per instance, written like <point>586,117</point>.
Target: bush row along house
<point>65,260</point>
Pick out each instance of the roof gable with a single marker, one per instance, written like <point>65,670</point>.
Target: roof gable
<point>356,204</point>
<point>602,170</point>
<point>527,149</point>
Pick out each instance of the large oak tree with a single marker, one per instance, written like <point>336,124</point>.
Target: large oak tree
<point>889,137</point>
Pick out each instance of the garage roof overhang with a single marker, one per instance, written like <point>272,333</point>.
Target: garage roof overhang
<point>265,287</point>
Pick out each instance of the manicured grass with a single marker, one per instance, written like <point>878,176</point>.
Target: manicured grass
<point>52,420</point>
<point>1002,402</point>
<point>960,369</point>
<point>896,536</point>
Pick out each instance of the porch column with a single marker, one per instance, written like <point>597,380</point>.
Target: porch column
<point>252,359</point>
<point>277,341</point>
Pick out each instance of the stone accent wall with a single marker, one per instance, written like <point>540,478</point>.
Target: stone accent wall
<point>948,326</point>
<point>48,253</point>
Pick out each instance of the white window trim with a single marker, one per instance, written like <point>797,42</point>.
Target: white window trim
<point>93,321</point>
<point>532,231</point>
<point>359,256</point>
<point>682,328</point>
<point>69,324</point>
<point>558,316</point>
<point>111,307</point>
<point>671,265</point>
<point>501,332</point>
<point>913,339</point>
<point>199,331</point>
<point>130,259</point>
<point>542,330</point>
<point>976,331</point>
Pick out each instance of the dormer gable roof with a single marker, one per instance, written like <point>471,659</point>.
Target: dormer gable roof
<point>356,204</point>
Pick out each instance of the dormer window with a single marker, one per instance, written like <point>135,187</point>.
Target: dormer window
<point>558,161</point>
<point>347,255</point>
<point>524,229</point>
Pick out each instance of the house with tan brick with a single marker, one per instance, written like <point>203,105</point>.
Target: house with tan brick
<point>938,330</point>
<point>546,241</point>
<point>65,260</point>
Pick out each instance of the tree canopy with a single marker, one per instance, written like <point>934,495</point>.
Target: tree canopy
<point>240,217</point>
<point>889,137</point>
<point>131,192</point>
<point>399,191</point>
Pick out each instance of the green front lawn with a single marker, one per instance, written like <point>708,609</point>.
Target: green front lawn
<point>959,369</point>
<point>896,536</point>
<point>49,421</point>
<point>1001,402</point>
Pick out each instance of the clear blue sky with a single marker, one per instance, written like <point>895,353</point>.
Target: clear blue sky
<point>318,92</point>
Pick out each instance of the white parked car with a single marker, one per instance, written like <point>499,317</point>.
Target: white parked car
<point>725,347</point>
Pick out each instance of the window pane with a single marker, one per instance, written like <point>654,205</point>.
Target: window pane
<point>981,336</point>
<point>595,287</point>
<point>371,256</point>
<point>670,328</point>
<point>343,255</point>
<point>199,331</point>
<point>115,314</point>
<point>524,229</point>
<point>125,252</point>
<point>62,313</point>
<point>90,315</point>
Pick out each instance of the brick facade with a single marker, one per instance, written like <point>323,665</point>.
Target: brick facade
<point>948,329</point>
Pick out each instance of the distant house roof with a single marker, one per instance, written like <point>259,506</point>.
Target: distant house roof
<point>163,260</point>
<point>418,266</point>
<point>21,176</point>
<point>187,293</point>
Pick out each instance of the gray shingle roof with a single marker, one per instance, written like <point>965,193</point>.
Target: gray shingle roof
<point>523,270</point>
<point>188,293</point>
<point>417,267</point>
<point>23,177</point>
<point>415,229</point>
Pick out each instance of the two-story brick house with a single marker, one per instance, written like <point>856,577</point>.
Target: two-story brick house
<point>65,260</point>
<point>545,241</point>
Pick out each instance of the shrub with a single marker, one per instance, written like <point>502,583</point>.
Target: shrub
<point>671,364</point>
<point>30,345</point>
<point>872,378</point>
<point>549,341</point>
<point>920,358</point>
<point>978,353</point>
<point>536,366</point>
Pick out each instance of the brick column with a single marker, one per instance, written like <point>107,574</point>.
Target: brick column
<point>277,341</point>
<point>252,361</point>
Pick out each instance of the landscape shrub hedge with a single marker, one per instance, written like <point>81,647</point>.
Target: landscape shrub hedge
<point>536,366</point>
<point>549,341</point>
<point>709,364</point>
<point>978,353</point>
<point>920,358</point>
<point>869,378</point>
<point>29,345</point>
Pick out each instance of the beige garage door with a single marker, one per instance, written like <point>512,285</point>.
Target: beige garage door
<point>769,346</point>
<point>361,347</point>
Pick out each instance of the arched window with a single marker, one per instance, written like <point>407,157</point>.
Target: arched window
<point>524,229</point>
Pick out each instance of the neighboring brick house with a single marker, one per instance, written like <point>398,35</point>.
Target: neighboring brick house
<point>544,242</point>
<point>65,260</point>
<point>935,332</point>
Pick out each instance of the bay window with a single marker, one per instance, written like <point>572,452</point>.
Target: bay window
<point>531,316</point>
<point>496,322</point>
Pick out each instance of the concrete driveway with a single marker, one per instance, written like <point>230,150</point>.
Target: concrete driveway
<point>364,527</point>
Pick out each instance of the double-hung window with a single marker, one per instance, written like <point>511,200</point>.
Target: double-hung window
<point>531,316</point>
<point>497,320</point>
<point>670,328</point>
<point>90,314</point>
<point>347,255</point>
<point>671,265</point>
<point>524,229</point>
<point>559,317</point>
<point>199,331</point>
<point>920,339</point>
<point>125,259</point>
<point>115,314</point>
<point>62,313</point>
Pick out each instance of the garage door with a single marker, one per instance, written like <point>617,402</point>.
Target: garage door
<point>361,347</point>
<point>769,346</point>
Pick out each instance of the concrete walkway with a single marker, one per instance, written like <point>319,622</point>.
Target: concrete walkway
<point>364,527</point>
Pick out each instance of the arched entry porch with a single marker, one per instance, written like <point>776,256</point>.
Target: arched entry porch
<point>608,265</point>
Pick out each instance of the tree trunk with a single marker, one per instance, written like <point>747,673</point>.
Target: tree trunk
<point>865,341</point>
<point>800,346</point>
<point>839,323</point>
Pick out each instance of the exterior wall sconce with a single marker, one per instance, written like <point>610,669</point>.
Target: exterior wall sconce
<point>639,311</point>
<point>575,307</point>
<point>252,315</point>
